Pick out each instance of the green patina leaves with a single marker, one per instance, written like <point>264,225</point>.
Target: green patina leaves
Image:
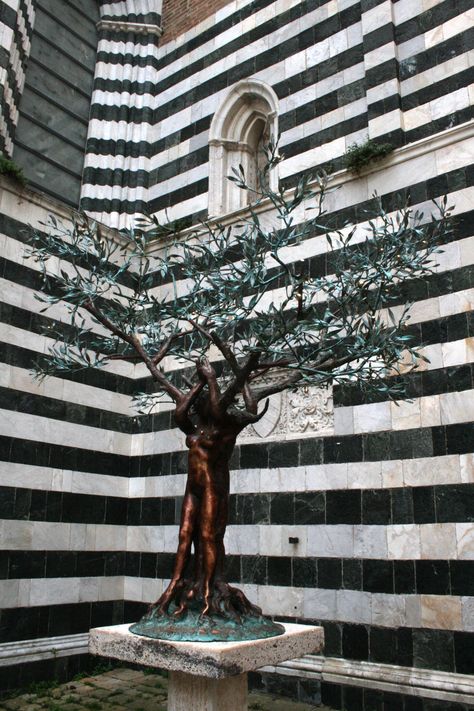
<point>240,293</point>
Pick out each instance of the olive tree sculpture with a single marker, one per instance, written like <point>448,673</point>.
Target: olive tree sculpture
<point>223,318</point>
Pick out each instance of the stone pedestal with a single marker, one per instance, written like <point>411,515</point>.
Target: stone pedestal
<point>206,676</point>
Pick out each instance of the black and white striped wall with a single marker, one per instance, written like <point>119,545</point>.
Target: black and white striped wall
<point>50,138</point>
<point>16,25</point>
<point>384,537</point>
<point>380,497</point>
<point>396,71</point>
<point>66,454</point>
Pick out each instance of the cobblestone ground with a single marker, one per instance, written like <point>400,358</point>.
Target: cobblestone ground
<point>124,690</point>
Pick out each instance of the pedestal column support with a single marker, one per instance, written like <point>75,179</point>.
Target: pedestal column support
<point>199,693</point>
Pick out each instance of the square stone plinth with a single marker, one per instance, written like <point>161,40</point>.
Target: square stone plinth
<point>214,660</point>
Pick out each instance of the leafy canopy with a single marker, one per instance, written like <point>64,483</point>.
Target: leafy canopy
<point>241,296</point>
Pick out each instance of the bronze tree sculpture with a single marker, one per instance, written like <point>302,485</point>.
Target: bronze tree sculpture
<point>233,305</point>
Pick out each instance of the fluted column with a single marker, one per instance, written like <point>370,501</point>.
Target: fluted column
<point>115,180</point>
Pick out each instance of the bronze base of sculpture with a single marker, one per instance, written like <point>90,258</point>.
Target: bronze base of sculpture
<point>192,626</point>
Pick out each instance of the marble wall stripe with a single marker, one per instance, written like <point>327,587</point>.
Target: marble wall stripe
<point>424,472</point>
<point>408,577</point>
<point>407,505</point>
<point>413,443</point>
<point>39,592</point>
<point>428,57</point>
<point>65,424</point>
<point>350,606</point>
<point>22,359</point>
<point>410,541</point>
<point>139,11</point>
<point>63,433</point>
<point>433,397</point>
<point>75,393</point>
<point>45,454</point>
<point>51,479</point>
<point>446,409</point>
<point>57,620</point>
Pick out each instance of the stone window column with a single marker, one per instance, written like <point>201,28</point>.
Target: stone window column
<point>244,123</point>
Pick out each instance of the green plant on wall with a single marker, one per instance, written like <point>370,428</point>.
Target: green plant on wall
<point>10,168</point>
<point>358,156</point>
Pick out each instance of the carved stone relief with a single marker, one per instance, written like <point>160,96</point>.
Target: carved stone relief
<point>308,410</point>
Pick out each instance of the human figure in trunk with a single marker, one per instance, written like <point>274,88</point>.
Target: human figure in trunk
<point>210,437</point>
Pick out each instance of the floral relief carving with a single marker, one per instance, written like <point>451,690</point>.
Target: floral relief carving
<point>310,409</point>
<point>307,410</point>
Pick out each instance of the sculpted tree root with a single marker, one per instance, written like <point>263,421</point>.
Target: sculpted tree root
<point>225,601</point>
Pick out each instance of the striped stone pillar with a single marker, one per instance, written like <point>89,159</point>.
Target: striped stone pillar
<point>16,26</point>
<point>385,115</point>
<point>115,179</point>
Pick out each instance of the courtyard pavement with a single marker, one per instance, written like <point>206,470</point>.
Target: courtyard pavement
<point>123,689</point>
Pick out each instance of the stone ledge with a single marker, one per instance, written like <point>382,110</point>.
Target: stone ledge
<point>138,28</point>
<point>34,650</point>
<point>422,683</point>
<point>215,660</point>
<point>410,681</point>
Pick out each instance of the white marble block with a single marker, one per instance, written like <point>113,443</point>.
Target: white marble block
<point>206,676</point>
<point>215,660</point>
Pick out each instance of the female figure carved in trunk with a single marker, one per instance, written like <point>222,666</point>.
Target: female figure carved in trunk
<point>210,437</point>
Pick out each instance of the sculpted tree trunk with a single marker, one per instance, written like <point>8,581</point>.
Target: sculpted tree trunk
<point>203,524</point>
<point>211,433</point>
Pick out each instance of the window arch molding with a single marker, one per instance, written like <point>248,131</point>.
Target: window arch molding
<point>246,119</point>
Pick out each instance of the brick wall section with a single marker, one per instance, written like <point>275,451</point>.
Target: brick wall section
<point>180,15</point>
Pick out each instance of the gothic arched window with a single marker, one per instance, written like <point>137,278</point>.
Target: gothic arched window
<point>244,123</point>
